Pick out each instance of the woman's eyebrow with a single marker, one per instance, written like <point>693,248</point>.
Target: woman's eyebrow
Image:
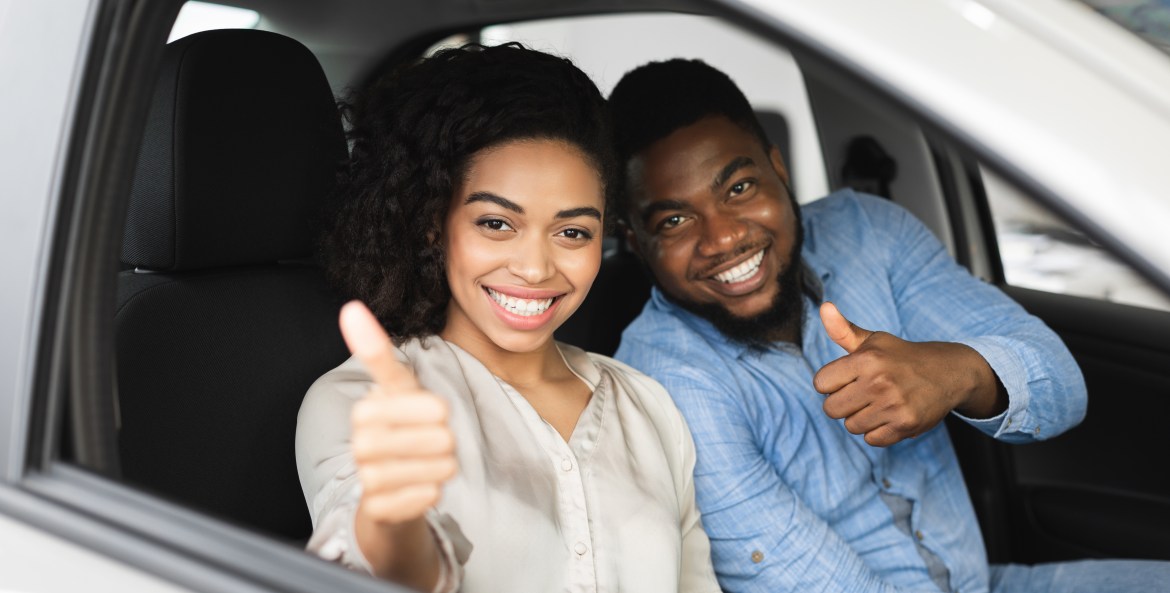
<point>484,196</point>
<point>582,211</point>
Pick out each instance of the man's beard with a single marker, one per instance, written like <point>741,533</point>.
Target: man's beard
<point>782,316</point>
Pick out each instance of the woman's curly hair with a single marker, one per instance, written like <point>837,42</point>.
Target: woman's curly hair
<point>413,134</point>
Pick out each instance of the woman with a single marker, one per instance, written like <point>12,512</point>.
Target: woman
<point>479,454</point>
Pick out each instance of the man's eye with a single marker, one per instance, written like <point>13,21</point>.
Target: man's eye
<point>741,187</point>
<point>670,222</point>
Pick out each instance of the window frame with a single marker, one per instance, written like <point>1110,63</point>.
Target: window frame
<point>74,356</point>
<point>79,498</point>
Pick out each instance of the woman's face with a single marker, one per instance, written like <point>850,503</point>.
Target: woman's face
<point>523,244</point>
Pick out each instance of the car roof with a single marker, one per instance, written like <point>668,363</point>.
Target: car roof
<point>1055,97</point>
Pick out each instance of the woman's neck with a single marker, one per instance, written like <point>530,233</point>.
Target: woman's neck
<point>537,367</point>
<point>541,376</point>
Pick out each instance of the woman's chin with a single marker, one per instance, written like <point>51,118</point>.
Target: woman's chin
<point>523,342</point>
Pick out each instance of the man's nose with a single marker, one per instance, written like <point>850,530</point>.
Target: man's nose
<point>532,261</point>
<point>720,234</point>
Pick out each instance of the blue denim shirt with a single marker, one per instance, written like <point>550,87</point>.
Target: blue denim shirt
<point>790,499</point>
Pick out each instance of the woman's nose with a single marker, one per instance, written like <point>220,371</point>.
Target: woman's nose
<point>532,261</point>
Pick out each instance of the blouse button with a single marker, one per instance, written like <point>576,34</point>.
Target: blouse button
<point>567,464</point>
<point>886,483</point>
<point>757,556</point>
<point>580,549</point>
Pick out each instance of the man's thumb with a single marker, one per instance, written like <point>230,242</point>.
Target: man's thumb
<point>841,330</point>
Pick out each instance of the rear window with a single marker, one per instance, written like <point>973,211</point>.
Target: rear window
<point>1148,19</point>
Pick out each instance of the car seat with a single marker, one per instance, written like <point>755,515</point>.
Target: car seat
<point>223,321</point>
<point>617,296</point>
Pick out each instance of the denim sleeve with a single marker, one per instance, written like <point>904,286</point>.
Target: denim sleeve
<point>939,300</point>
<point>763,538</point>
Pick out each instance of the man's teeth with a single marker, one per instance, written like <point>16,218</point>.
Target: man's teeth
<point>743,271</point>
<point>524,307</point>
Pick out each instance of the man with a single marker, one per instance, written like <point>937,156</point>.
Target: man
<point>822,463</point>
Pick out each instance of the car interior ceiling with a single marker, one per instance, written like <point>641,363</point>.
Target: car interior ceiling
<point>223,321</point>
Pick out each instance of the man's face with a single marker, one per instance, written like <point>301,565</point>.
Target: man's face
<point>713,219</point>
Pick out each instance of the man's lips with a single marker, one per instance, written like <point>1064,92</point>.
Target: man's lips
<point>744,256</point>
<point>741,277</point>
<point>741,271</point>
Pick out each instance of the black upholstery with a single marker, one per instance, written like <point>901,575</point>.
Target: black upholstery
<point>776,127</point>
<point>618,294</point>
<point>223,323</point>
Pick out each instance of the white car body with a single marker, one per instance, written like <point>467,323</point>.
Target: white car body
<point>1051,96</point>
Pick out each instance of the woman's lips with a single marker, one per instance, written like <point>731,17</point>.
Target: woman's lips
<point>523,309</point>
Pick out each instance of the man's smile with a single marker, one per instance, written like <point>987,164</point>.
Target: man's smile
<point>743,270</point>
<point>743,276</point>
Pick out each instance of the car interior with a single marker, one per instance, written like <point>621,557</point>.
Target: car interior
<point>210,317</point>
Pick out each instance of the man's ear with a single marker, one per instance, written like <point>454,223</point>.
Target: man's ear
<point>778,164</point>
<point>627,234</point>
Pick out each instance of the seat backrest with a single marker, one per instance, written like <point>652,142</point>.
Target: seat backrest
<point>618,294</point>
<point>224,321</point>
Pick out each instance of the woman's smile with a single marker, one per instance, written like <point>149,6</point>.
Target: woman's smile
<point>523,312</point>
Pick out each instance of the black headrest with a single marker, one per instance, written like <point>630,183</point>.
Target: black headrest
<point>242,144</point>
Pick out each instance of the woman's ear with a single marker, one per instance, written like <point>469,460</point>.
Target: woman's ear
<point>435,235</point>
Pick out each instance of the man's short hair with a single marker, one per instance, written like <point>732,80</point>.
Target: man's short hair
<point>652,101</point>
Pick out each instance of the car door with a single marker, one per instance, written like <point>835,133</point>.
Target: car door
<point>78,75</point>
<point>1101,489</point>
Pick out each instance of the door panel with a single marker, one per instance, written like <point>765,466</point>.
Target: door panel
<point>33,560</point>
<point>1102,489</point>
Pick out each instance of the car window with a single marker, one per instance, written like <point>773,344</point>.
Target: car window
<point>1042,252</point>
<point>1148,19</point>
<point>606,47</point>
<point>106,429</point>
<point>185,527</point>
<point>197,16</point>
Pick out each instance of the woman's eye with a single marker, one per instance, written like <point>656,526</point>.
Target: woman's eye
<point>577,234</point>
<point>495,224</point>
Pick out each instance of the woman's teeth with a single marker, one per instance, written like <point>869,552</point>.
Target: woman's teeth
<point>743,271</point>
<point>523,307</point>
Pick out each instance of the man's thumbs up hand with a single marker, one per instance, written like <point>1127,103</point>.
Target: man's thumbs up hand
<point>890,389</point>
<point>401,442</point>
<point>841,330</point>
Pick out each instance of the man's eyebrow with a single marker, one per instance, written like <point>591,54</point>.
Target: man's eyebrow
<point>484,196</point>
<point>736,164</point>
<point>659,206</point>
<point>582,211</point>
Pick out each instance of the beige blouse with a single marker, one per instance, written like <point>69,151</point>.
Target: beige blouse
<point>613,509</point>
